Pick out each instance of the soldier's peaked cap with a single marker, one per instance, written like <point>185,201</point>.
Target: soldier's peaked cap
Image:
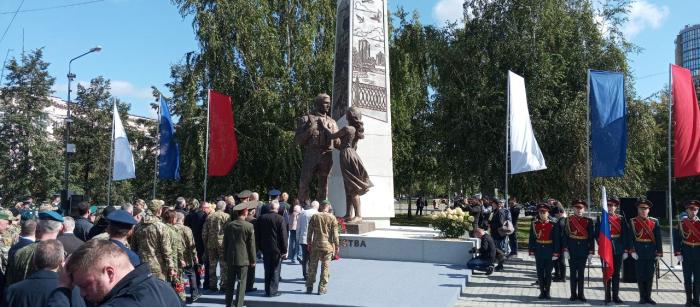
<point>576,202</point>
<point>646,202</point>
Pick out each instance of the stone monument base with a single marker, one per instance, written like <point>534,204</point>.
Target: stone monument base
<point>359,228</point>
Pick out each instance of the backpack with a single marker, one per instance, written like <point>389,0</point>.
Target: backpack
<point>507,228</point>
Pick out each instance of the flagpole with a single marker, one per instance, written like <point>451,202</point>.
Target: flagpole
<point>588,138</point>
<point>507,136</point>
<point>111,155</point>
<point>669,157</point>
<point>155,163</point>
<point>206,152</point>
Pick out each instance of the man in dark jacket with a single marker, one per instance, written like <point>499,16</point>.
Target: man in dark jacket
<point>102,223</point>
<point>271,239</point>
<point>67,237</point>
<point>497,219</point>
<point>514,208</point>
<point>486,253</point>
<point>27,236</point>
<point>35,290</point>
<point>195,221</point>
<point>106,277</point>
<point>239,252</point>
<point>82,224</point>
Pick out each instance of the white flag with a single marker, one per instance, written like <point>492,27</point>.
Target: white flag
<point>123,159</point>
<point>525,154</point>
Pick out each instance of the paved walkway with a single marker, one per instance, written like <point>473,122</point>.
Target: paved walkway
<point>512,287</point>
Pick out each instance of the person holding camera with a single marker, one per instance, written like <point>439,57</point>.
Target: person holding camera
<point>486,254</point>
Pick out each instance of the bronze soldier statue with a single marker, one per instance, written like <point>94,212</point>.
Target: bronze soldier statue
<point>318,147</point>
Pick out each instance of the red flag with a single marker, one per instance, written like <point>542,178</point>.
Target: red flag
<point>223,147</point>
<point>686,131</point>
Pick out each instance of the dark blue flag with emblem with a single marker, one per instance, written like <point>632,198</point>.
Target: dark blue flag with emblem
<point>169,158</point>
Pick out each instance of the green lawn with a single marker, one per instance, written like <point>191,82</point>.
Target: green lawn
<point>403,220</point>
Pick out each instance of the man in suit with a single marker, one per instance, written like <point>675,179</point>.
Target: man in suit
<point>239,252</point>
<point>26,237</point>
<point>645,248</point>
<point>195,220</point>
<point>578,246</point>
<point>35,290</point>
<point>68,239</point>
<point>271,238</point>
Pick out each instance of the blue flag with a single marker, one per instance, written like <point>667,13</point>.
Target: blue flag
<point>169,158</point>
<point>606,99</point>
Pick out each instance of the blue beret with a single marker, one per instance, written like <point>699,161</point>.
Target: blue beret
<point>51,215</point>
<point>26,215</point>
<point>274,192</point>
<point>121,216</point>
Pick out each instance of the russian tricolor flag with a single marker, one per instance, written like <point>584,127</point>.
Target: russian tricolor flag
<point>604,240</point>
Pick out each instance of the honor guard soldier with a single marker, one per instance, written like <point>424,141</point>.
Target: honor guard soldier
<point>618,234</point>
<point>645,248</point>
<point>545,246</point>
<point>578,246</point>
<point>686,247</point>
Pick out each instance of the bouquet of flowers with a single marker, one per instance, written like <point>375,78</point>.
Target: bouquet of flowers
<point>452,223</point>
<point>342,228</point>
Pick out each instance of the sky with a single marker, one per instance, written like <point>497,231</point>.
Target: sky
<point>141,39</point>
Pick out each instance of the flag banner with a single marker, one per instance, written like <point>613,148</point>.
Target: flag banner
<point>169,156</point>
<point>606,100</point>
<point>604,239</point>
<point>686,132</point>
<point>223,147</point>
<point>525,153</point>
<point>123,160</point>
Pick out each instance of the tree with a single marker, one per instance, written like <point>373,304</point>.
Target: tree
<point>27,151</point>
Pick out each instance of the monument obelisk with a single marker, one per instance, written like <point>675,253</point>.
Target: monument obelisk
<point>361,80</point>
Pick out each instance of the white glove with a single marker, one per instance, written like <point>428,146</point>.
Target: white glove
<point>635,256</point>
<point>680,258</point>
<point>657,258</point>
<point>590,257</point>
<point>625,255</point>
<point>566,255</point>
<point>554,258</point>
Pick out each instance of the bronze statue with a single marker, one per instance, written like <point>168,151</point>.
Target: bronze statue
<point>355,178</point>
<point>318,148</point>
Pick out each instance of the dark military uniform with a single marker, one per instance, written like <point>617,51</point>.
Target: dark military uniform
<point>646,243</point>
<point>687,245</point>
<point>620,245</point>
<point>239,254</point>
<point>578,242</point>
<point>544,245</point>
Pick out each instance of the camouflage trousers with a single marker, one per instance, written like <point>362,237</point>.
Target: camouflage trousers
<point>325,258</point>
<point>215,257</point>
<point>178,284</point>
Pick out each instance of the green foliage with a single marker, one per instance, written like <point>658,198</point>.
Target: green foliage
<point>27,151</point>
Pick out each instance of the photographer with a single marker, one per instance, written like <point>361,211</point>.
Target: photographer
<point>486,254</point>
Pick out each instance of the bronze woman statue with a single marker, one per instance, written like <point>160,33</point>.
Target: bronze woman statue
<point>355,178</point>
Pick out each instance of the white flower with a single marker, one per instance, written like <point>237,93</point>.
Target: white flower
<point>471,219</point>
<point>459,211</point>
<point>449,211</point>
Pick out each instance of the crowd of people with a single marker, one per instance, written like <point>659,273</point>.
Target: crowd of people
<point>555,238</point>
<point>150,253</point>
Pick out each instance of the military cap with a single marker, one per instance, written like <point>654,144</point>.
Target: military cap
<point>274,192</point>
<point>579,202</point>
<point>26,215</point>
<point>121,216</point>
<point>614,200</point>
<point>5,216</point>
<point>644,202</point>
<point>245,194</point>
<point>252,204</point>
<point>692,203</point>
<point>542,206</point>
<point>10,215</point>
<point>241,206</point>
<point>155,204</point>
<point>50,215</point>
<point>326,202</point>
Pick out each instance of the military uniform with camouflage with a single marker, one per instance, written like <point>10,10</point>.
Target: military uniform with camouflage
<point>213,236</point>
<point>153,241</point>
<point>22,264</point>
<point>322,239</point>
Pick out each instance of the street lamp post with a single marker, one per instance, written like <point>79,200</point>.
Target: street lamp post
<point>70,148</point>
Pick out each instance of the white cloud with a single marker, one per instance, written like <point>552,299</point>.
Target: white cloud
<point>644,15</point>
<point>448,10</point>
<point>126,89</point>
<point>602,24</point>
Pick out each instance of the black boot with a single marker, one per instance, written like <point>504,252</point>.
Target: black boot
<point>688,294</point>
<point>696,294</point>
<point>649,286</point>
<point>616,292</point>
<point>642,292</point>
<point>542,288</point>
<point>572,286</point>
<point>581,297</point>
<point>548,285</point>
